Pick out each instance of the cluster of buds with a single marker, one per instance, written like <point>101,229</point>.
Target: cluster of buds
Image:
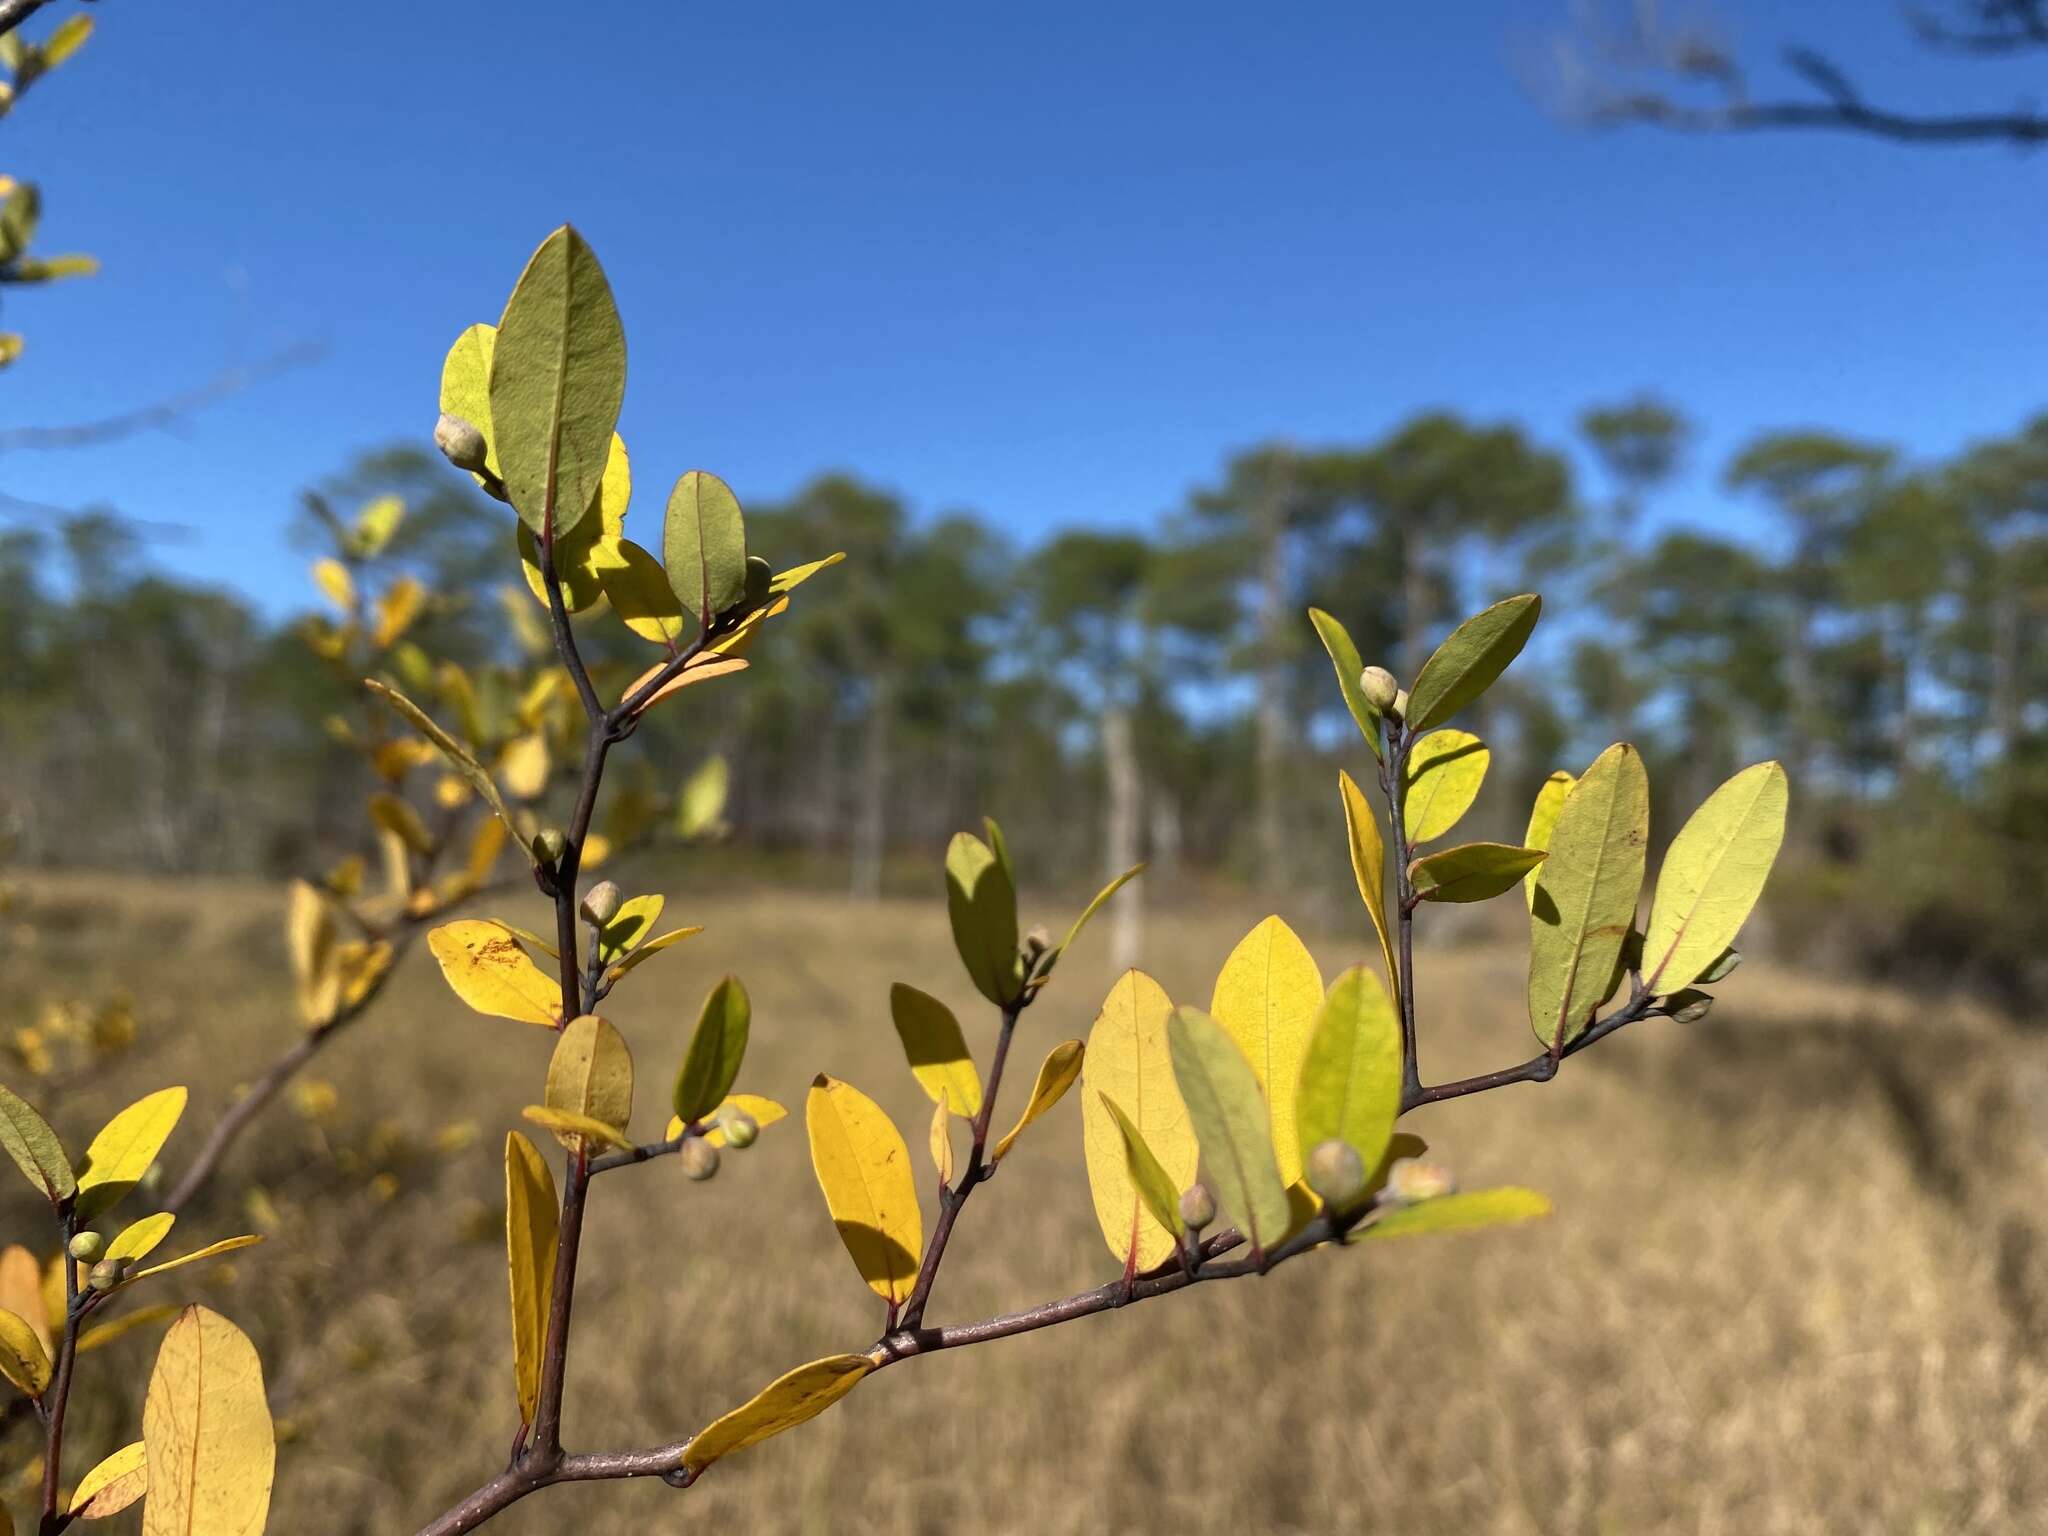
<point>1384,693</point>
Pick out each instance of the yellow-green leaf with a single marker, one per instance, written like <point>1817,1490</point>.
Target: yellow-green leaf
<point>113,1485</point>
<point>1153,1183</point>
<point>210,1251</point>
<point>1445,770</point>
<point>1045,966</point>
<point>700,803</point>
<point>398,817</point>
<point>466,388</point>
<point>335,584</point>
<point>524,765</point>
<point>712,1063</point>
<point>531,1215</point>
<point>22,1360</point>
<point>377,522</point>
<point>558,376</point>
<point>591,1073</point>
<point>211,1449</point>
<point>1713,873</point>
<point>585,555</point>
<point>936,1049</point>
<point>1369,866</point>
<point>628,926</point>
<point>574,1131</point>
<point>1453,1213</point>
<point>1467,663</point>
<point>1542,819</point>
<point>1351,1074</point>
<point>764,1110</point>
<point>1231,1125</point>
<point>640,595</point>
<point>124,1149</point>
<point>1128,1063</point>
<point>463,760</point>
<point>1586,894</point>
<point>35,1147</point>
<point>139,1239</point>
<point>491,972</point>
<point>942,1141</point>
<point>66,39</point>
<point>704,547</point>
<point>1471,871</point>
<point>864,1169</point>
<point>649,950</point>
<point>1345,658</point>
<point>142,1317</point>
<point>1267,997</point>
<point>1056,1075</point>
<point>982,904</point>
<point>784,1403</point>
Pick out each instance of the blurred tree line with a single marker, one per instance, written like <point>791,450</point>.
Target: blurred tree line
<point>1116,695</point>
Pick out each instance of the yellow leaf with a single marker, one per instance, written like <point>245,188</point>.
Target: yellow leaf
<point>864,1169</point>
<point>141,1317</point>
<point>376,523</point>
<point>700,803</point>
<point>640,595</point>
<point>401,603</point>
<point>113,1485</point>
<point>362,966</point>
<point>591,1072</point>
<point>397,816</point>
<point>66,39</point>
<point>484,849</point>
<point>701,669</point>
<point>125,1147</point>
<point>650,949</point>
<point>765,1112</point>
<point>1056,1075</point>
<point>23,1360</point>
<point>1445,770</point>
<point>596,849</point>
<point>1542,820</point>
<point>575,1131</point>
<point>942,1141</point>
<point>1267,997</point>
<point>335,584</point>
<point>490,972</point>
<point>936,1049</point>
<point>139,1239</point>
<point>628,926</point>
<point>21,1291</point>
<point>1128,1064</point>
<point>310,939</point>
<point>531,1214</point>
<point>1232,1124</point>
<point>784,1403</point>
<point>211,1449</point>
<point>1369,868</point>
<point>591,545</point>
<point>524,765</point>
<point>1712,874</point>
<point>210,1251</point>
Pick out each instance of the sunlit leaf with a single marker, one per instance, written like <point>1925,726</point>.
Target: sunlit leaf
<point>1369,866</point>
<point>1713,873</point>
<point>640,595</point>
<point>1345,658</point>
<point>142,1317</point>
<point>1128,1064</point>
<point>139,1239</point>
<point>982,904</point>
<point>942,1141</point>
<point>575,1131</point>
<point>649,950</point>
<point>1056,1075</point>
<point>784,1403</point>
<point>530,1235</point>
<point>788,581</point>
<point>397,609</point>
<point>376,523</point>
<point>113,1485</point>
<point>335,584</point>
<point>936,1049</point>
<point>765,1112</point>
<point>585,555</point>
<point>703,668</point>
<point>704,547</point>
<point>524,765</point>
<point>490,972</point>
<point>1351,1073</point>
<point>21,1291</point>
<point>864,1169</point>
<point>1454,1213</point>
<point>1466,664</point>
<point>206,1423</point>
<point>1231,1125</point>
<point>1586,894</point>
<point>1542,818</point>
<point>210,1251</point>
<point>466,388</point>
<point>591,1072</point>
<point>22,1358</point>
<point>1267,997</point>
<point>310,941</point>
<point>124,1149</point>
<point>1471,871</point>
<point>700,803</point>
<point>1154,1184</point>
<point>629,925</point>
<point>35,1148</point>
<point>1445,770</point>
<point>712,1063</point>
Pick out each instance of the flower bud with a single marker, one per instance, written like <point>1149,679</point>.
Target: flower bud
<point>759,575</point>
<point>1197,1206</point>
<point>1410,1179</point>
<point>87,1247</point>
<point>108,1273</point>
<point>1399,709</point>
<point>1688,1006</point>
<point>1037,941</point>
<point>1336,1172</point>
<point>699,1159</point>
<point>460,443</point>
<point>551,845</point>
<point>1379,688</point>
<point>601,903</point>
<point>741,1129</point>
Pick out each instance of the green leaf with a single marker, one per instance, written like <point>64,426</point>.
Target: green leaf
<point>704,543</point>
<point>1543,817</point>
<point>1231,1125</point>
<point>982,904</point>
<point>1712,875</point>
<point>936,1050</point>
<point>558,377</point>
<point>716,1050</point>
<point>1467,663</point>
<point>1471,871</point>
<point>1457,1213</point>
<point>1045,966</point>
<point>1344,657</point>
<point>35,1148</point>
<point>1445,770</point>
<point>1351,1074</point>
<point>122,1152</point>
<point>1586,894</point>
<point>591,1072</point>
<point>1154,1185</point>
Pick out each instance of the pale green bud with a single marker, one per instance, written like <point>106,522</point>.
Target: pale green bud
<point>1197,1206</point>
<point>1379,688</point>
<point>699,1158</point>
<point>1410,1179</point>
<point>460,443</point>
<point>601,903</point>
<point>741,1129</point>
<point>1399,709</point>
<point>108,1273</point>
<point>551,845</point>
<point>87,1247</point>
<point>1336,1172</point>
<point>759,575</point>
<point>1688,1006</point>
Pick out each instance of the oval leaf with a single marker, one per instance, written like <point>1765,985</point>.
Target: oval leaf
<point>1466,664</point>
<point>716,1050</point>
<point>641,596</point>
<point>1344,657</point>
<point>578,1133</point>
<point>211,1450</point>
<point>491,972</point>
<point>466,388</point>
<point>1542,818</point>
<point>1128,1063</point>
<point>591,1073</point>
<point>982,904</point>
<point>784,1403</point>
<point>1351,1074</point>
<point>122,1152</point>
<point>586,553</point>
<point>1712,875</point>
<point>113,1485</point>
<point>1267,997</point>
<point>1471,871</point>
<point>35,1148</point>
<point>1056,1075</point>
<point>531,1219</point>
<point>1154,1184</point>
<point>139,1239</point>
<point>1231,1124</point>
<point>1369,866</point>
<point>704,547</point>
<point>936,1049</point>
<point>21,1292</point>
<point>864,1169</point>
<point>1445,770</point>
<point>22,1357</point>
<point>1586,894</point>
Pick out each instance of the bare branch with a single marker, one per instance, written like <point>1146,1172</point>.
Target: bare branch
<point>167,413</point>
<point>14,12</point>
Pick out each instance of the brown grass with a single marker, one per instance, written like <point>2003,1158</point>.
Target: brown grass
<point>1796,1281</point>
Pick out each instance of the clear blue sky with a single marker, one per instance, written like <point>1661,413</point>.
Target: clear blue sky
<point>1047,261</point>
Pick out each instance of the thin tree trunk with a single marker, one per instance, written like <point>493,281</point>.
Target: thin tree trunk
<point>870,821</point>
<point>1272,708</point>
<point>1123,809</point>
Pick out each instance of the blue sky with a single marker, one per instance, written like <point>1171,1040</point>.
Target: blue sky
<point>1047,261</point>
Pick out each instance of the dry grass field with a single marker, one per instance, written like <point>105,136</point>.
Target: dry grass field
<point>1796,1281</point>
